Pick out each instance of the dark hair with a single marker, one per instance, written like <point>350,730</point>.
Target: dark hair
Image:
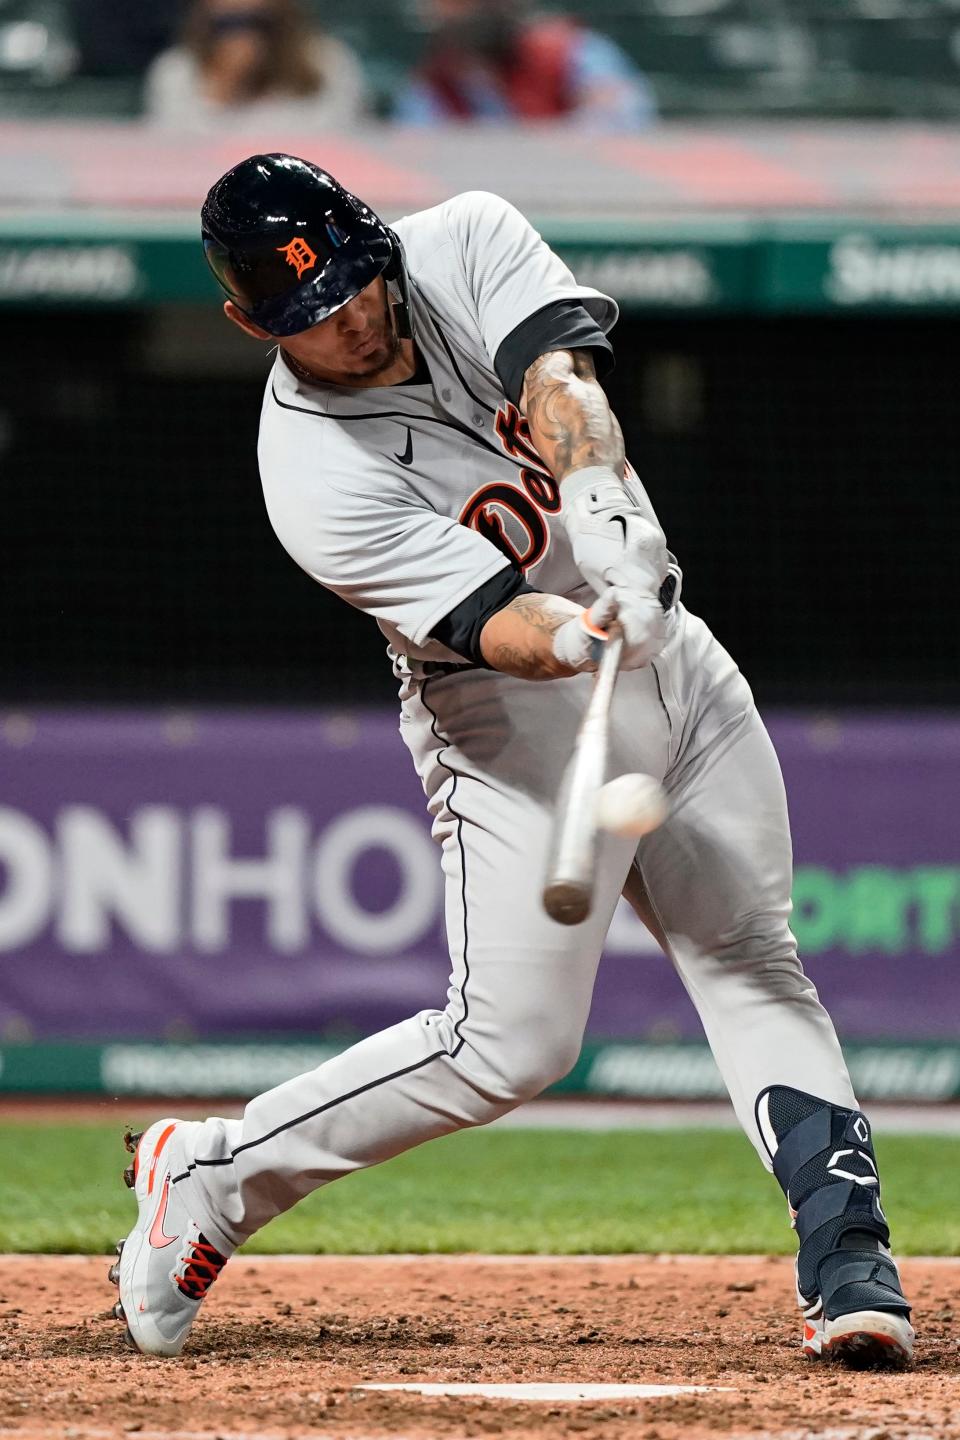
<point>289,66</point>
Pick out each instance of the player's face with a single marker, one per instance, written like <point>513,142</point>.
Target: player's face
<point>355,345</point>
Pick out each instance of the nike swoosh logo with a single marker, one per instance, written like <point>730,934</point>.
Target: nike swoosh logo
<point>407,457</point>
<point>159,1239</point>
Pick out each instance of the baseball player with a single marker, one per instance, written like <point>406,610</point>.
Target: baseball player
<point>436,448</point>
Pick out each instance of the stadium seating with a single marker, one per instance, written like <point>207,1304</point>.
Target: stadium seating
<point>744,57</point>
<point>898,58</point>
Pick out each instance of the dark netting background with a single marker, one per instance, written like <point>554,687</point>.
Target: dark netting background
<point>805,471</point>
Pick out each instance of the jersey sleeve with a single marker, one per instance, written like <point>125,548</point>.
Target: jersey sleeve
<point>511,272</point>
<point>562,325</point>
<point>461,630</point>
<point>378,549</point>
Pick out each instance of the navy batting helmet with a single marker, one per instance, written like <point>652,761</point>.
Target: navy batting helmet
<point>289,245</point>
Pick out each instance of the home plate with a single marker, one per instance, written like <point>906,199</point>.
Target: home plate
<point>546,1391</point>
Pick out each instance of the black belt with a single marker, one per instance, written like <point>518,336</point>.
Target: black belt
<point>668,591</point>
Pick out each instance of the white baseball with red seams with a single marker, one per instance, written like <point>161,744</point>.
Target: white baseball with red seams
<point>631,805</point>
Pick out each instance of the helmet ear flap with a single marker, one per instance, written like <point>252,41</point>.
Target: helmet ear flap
<point>397,293</point>
<point>396,278</point>
<point>394,269</point>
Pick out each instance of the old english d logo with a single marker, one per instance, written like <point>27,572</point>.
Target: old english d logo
<point>299,255</point>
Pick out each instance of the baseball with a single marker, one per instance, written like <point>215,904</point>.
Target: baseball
<point>631,805</point>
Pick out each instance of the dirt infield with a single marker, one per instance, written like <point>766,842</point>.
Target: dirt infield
<point>281,1344</point>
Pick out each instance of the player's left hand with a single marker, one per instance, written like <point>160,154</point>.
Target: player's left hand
<point>612,542</point>
<point>579,643</point>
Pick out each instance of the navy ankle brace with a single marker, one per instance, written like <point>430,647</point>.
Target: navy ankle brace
<point>824,1159</point>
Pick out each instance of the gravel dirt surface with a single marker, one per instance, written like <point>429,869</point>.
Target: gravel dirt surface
<point>281,1343</point>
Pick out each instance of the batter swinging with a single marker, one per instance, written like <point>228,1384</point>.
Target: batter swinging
<point>436,448</point>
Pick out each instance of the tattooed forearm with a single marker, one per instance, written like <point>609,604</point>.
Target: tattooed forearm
<point>512,661</point>
<point>570,420</point>
<point>519,638</point>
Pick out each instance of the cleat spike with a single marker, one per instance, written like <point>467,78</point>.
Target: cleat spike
<point>119,1247</point>
<point>131,1139</point>
<point>113,1274</point>
<point>119,1312</point>
<point>129,1179</point>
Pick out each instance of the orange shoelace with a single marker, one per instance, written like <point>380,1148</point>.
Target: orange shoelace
<point>202,1268</point>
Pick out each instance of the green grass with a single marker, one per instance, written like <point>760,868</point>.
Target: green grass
<point>507,1191</point>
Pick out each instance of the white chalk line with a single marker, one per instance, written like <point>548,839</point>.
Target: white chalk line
<point>538,1392</point>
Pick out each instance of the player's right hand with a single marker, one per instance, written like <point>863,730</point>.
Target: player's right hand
<point>579,643</point>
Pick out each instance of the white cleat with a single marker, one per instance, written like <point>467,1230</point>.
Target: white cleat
<point>166,1264</point>
<point>864,1339</point>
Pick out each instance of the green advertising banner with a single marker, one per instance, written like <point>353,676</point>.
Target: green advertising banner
<point>99,261</point>
<point>630,1069</point>
<point>749,266</point>
<point>860,267</point>
<point>658,265</point>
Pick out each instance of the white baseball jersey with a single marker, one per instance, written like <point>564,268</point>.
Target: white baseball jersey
<point>403,499</point>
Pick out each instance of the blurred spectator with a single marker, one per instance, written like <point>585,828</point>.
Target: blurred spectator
<point>489,62</point>
<point>250,63</point>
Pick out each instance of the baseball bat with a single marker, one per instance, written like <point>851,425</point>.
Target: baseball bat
<point>572,864</point>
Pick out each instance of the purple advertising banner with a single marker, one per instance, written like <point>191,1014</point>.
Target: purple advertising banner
<point>223,873</point>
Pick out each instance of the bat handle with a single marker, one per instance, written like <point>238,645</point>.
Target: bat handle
<point>598,711</point>
<point>571,869</point>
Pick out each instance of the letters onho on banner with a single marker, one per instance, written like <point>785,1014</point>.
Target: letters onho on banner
<point>173,880</point>
<point>274,874</point>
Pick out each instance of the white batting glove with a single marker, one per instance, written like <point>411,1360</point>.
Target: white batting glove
<point>612,542</point>
<point>579,643</point>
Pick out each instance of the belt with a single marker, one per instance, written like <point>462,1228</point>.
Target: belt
<point>668,591</point>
